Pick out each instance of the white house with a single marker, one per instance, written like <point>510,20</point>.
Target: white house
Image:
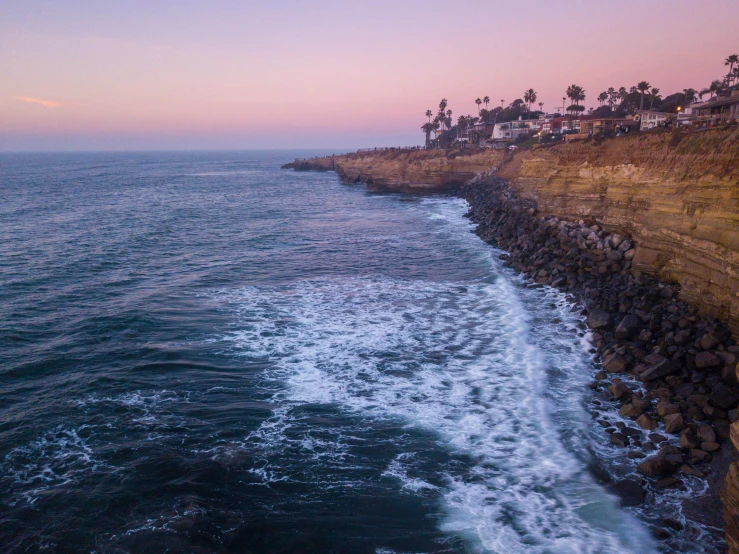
<point>650,120</point>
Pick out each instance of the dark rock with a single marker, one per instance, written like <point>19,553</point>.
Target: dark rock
<point>705,360</point>
<point>723,397</point>
<point>628,327</point>
<point>598,319</point>
<point>661,369</point>
<point>656,466</point>
<point>619,390</point>
<point>630,491</point>
<point>709,341</point>
<point>630,411</point>
<point>646,422</point>
<point>705,432</point>
<point>614,363</point>
<point>619,439</point>
<point>674,423</point>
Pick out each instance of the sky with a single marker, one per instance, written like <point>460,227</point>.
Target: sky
<point>221,74</point>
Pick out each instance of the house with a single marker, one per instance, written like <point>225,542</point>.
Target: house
<point>650,119</point>
<point>608,126</point>
<point>510,130</point>
<point>721,110</point>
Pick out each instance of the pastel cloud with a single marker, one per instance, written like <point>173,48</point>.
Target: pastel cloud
<point>45,103</point>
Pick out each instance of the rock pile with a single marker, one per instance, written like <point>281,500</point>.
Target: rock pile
<point>672,372</point>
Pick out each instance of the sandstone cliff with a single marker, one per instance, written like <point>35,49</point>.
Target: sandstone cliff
<point>677,195</point>
<point>407,170</point>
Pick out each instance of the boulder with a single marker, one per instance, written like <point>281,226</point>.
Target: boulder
<point>709,341</point>
<point>630,411</point>
<point>619,439</point>
<point>598,319</point>
<point>629,326</point>
<point>661,369</point>
<point>689,440</point>
<point>615,363</point>
<point>705,432</point>
<point>656,466</point>
<point>674,423</point>
<point>646,422</point>
<point>630,491</point>
<point>723,398</point>
<point>705,360</point>
<point>710,446</point>
<point>619,390</point>
<point>665,409</point>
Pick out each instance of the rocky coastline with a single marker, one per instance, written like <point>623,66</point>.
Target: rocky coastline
<point>671,371</point>
<point>639,232</point>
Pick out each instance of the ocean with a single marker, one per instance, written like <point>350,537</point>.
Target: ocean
<point>200,352</point>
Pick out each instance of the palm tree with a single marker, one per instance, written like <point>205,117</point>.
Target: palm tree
<point>731,61</point>
<point>654,94</point>
<point>529,97</point>
<point>478,102</point>
<point>486,101</point>
<point>564,99</point>
<point>602,97</point>
<point>501,103</point>
<point>576,93</point>
<point>716,87</point>
<point>642,87</point>
<point>541,107</point>
<point>689,95</point>
<point>612,97</point>
<point>429,113</point>
<point>427,128</point>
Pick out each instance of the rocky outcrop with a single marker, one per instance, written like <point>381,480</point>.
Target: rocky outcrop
<point>410,171</point>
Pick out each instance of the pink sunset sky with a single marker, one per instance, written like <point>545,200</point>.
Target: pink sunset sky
<point>84,75</point>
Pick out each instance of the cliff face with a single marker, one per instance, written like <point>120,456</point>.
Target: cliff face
<point>407,170</point>
<point>676,195</point>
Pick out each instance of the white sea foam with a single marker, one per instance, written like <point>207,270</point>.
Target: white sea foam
<point>457,361</point>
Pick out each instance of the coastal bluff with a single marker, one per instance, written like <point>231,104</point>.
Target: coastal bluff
<point>409,171</point>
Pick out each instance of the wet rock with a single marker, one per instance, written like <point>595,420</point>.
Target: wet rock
<point>688,470</point>
<point>598,319</point>
<point>660,369</point>
<point>723,398</point>
<point>667,482</point>
<point>614,363</point>
<point>619,390</point>
<point>689,440</point>
<point>630,491</point>
<point>709,341</point>
<point>710,446</point>
<point>705,432</point>
<point>646,422</point>
<point>630,411</point>
<point>656,437</point>
<point>629,326</point>
<point>674,423</point>
<point>656,466</point>
<point>705,360</point>
<point>619,439</point>
<point>665,408</point>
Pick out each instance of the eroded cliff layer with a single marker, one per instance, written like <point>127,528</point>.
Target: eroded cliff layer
<point>677,195</point>
<point>407,170</point>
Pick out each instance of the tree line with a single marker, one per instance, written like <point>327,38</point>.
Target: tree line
<point>613,102</point>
